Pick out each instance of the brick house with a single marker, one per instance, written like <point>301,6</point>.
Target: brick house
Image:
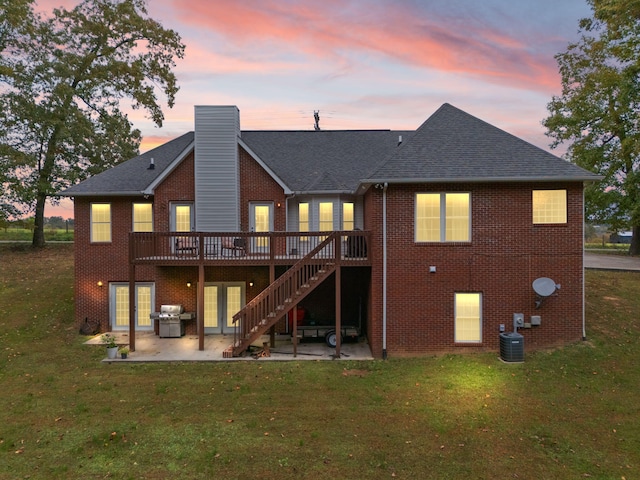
<point>427,241</point>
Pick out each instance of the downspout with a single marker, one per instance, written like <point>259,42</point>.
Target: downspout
<point>584,322</point>
<point>384,271</point>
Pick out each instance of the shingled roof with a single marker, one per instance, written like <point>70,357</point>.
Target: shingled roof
<point>134,177</point>
<point>323,161</point>
<point>451,146</point>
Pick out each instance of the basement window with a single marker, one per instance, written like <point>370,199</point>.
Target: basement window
<point>468,317</point>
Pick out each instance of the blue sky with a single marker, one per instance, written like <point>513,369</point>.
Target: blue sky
<point>363,64</point>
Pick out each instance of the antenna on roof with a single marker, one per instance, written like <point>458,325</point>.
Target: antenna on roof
<point>152,164</point>
<point>316,117</point>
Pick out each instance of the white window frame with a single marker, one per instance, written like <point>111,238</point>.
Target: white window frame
<point>547,208</point>
<point>101,222</point>
<point>458,319</point>
<point>442,218</point>
<point>348,224</point>
<point>321,221</point>
<point>136,223</point>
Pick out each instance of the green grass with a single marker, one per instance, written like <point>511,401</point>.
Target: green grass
<point>565,413</point>
<point>25,235</point>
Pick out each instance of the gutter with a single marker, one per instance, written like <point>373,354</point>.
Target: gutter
<point>479,179</point>
<point>106,194</point>
<point>384,271</point>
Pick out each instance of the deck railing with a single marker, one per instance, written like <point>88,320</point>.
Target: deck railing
<point>242,247</point>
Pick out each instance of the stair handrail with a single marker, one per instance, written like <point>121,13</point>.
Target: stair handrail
<point>251,321</point>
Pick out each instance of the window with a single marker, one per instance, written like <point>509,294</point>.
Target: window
<point>325,216</point>
<point>100,222</point>
<point>549,206</point>
<point>303,219</point>
<point>443,217</point>
<point>468,317</point>
<point>142,217</point>
<point>347,216</point>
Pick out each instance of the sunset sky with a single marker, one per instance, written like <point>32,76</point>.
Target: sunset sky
<point>363,64</point>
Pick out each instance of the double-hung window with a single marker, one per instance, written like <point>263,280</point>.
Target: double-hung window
<point>142,217</point>
<point>100,222</point>
<point>303,219</point>
<point>468,317</point>
<point>443,217</point>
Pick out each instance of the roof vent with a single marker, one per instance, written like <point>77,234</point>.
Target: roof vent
<point>399,139</point>
<point>152,164</point>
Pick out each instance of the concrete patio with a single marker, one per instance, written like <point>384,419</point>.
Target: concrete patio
<point>152,348</point>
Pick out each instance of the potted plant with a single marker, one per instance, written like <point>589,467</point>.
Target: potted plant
<point>112,347</point>
<point>124,352</point>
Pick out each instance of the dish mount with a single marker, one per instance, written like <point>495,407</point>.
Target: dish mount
<point>544,287</point>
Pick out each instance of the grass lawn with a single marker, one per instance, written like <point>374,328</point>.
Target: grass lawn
<point>569,413</point>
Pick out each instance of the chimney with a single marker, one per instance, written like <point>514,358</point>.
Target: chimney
<point>217,175</point>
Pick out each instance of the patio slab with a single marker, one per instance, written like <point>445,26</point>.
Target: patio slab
<point>152,348</point>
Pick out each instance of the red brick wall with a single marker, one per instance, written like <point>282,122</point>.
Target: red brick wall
<point>110,262</point>
<point>506,254</point>
<point>258,186</point>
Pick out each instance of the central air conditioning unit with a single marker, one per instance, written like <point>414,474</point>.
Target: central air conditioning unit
<point>511,347</point>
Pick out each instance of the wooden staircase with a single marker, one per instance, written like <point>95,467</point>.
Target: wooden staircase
<point>275,301</point>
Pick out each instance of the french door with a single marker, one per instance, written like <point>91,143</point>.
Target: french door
<point>119,305</point>
<point>261,220</point>
<point>221,302</point>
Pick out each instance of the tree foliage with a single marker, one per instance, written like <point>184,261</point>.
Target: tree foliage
<point>63,80</point>
<point>598,111</point>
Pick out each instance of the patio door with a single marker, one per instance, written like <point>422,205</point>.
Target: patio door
<point>119,305</point>
<point>182,220</point>
<point>261,220</point>
<point>221,302</point>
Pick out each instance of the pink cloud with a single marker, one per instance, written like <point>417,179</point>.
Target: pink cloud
<point>395,32</point>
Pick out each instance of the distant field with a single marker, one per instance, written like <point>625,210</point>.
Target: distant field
<point>26,235</point>
<point>565,413</point>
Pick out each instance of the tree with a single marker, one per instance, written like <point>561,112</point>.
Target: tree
<point>62,82</point>
<point>597,113</point>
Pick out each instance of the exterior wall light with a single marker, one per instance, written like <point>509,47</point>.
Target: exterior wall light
<point>188,284</point>
<point>100,283</point>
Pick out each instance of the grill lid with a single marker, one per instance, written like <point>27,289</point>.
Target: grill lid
<point>171,309</point>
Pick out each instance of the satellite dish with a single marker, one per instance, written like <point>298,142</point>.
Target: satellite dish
<point>544,286</point>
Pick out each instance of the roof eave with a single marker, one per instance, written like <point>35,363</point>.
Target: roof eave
<point>105,194</point>
<point>554,178</point>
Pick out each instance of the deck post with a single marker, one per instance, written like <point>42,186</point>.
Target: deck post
<point>294,330</point>
<point>338,242</point>
<point>200,301</point>
<point>132,307</point>
<point>272,278</point>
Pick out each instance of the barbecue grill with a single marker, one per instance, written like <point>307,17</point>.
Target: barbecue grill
<point>171,320</point>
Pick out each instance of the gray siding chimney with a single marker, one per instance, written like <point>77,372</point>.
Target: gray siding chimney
<point>217,175</point>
